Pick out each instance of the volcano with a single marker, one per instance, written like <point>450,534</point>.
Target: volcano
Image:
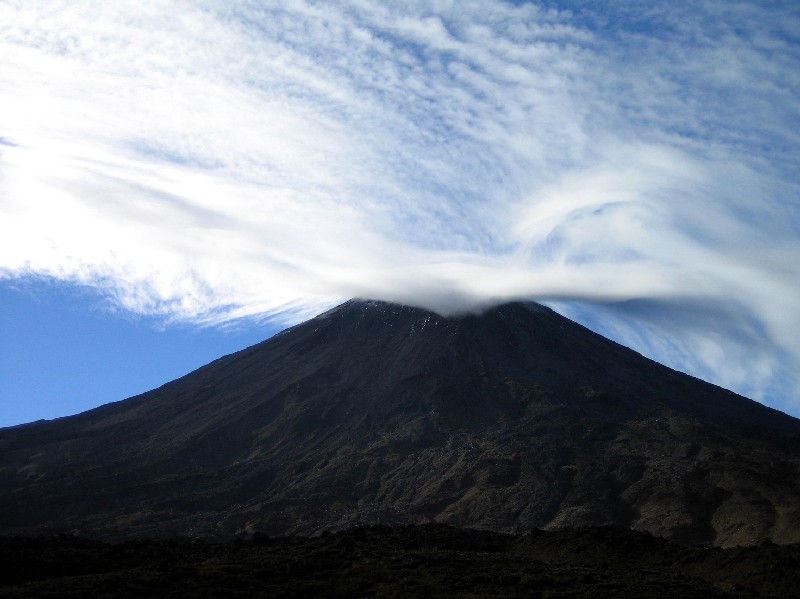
<point>375,413</point>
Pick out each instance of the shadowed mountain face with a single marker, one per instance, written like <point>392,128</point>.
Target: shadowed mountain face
<point>376,413</point>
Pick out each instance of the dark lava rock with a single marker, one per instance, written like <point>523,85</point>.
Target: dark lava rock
<point>374,413</point>
<point>414,561</point>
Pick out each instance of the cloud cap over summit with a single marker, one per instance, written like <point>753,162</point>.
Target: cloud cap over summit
<point>214,161</point>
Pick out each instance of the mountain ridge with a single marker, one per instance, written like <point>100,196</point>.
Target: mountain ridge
<point>372,412</point>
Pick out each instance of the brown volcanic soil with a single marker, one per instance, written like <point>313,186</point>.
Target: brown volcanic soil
<point>376,413</point>
<point>423,561</point>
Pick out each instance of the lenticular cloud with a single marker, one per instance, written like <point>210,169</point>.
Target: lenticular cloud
<point>213,162</point>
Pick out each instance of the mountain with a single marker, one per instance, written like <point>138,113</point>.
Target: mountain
<point>375,413</point>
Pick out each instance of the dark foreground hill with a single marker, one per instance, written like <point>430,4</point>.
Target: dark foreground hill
<point>374,413</point>
<point>422,561</point>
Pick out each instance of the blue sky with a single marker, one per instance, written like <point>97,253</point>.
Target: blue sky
<point>65,351</point>
<point>173,170</point>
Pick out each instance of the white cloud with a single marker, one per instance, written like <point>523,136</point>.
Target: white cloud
<point>217,160</point>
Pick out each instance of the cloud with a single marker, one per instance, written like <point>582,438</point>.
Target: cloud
<point>218,160</point>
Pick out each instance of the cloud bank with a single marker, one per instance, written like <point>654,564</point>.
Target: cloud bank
<point>211,161</point>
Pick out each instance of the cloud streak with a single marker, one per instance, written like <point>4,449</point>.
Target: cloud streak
<point>219,160</point>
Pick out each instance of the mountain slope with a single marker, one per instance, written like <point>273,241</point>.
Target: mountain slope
<point>377,413</point>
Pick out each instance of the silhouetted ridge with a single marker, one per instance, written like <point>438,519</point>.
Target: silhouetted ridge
<point>378,413</point>
<point>420,561</point>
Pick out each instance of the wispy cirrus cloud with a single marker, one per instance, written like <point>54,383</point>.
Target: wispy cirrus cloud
<point>217,160</point>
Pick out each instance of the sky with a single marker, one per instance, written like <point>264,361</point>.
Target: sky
<point>181,179</point>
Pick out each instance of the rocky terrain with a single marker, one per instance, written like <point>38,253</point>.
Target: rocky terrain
<point>418,561</point>
<point>374,413</point>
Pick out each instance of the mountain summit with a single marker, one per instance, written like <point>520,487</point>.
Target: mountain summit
<point>379,413</point>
